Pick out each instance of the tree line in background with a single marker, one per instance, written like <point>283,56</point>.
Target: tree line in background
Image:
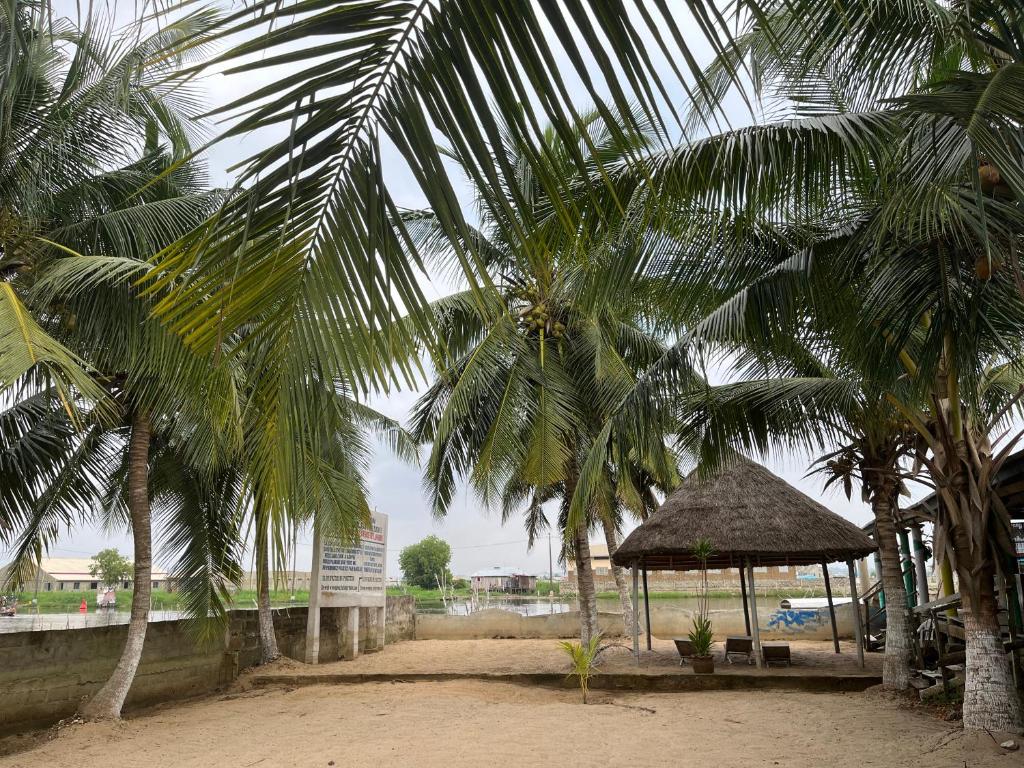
<point>197,359</point>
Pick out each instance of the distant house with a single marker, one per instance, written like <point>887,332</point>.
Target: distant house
<point>501,579</point>
<point>71,574</point>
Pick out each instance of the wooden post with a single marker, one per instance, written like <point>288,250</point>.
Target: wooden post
<point>754,623</point>
<point>856,613</point>
<point>907,566</point>
<point>920,565</point>
<point>647,608</point>
<point>946,576</point>
<point>831,605</point>
<point>636,613</point>
<point>746,607</point>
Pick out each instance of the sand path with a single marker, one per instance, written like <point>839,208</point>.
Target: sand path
<point>470,723</point>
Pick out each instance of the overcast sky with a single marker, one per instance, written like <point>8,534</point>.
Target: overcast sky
<point>477,538</point>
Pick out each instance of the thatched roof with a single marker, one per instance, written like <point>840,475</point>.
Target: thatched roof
<point>745,511</point>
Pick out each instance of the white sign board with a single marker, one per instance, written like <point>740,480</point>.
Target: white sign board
<point>348,576</point>
<point>354,575</point>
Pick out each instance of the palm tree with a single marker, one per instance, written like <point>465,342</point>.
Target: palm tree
<point>533,372</point>
<point>91,140</point>
<point>906,140</point>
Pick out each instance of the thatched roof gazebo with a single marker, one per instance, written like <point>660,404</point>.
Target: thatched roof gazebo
<point>752,518</point>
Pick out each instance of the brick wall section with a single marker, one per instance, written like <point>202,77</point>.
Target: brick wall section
<point>45,675</point>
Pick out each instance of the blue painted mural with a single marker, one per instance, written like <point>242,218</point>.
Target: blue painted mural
<point>795,618</point>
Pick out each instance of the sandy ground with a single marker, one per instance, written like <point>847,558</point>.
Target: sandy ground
<point>481,723</point>
<point>472,723</point>
<point>509,656</point>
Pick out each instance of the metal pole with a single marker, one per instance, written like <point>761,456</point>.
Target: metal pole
<point>636,613</point>
<point>831,606</point>
<point>551,567</point>
<point>746,607</point>
<point>856,613</point>
<point>755,624</point>
<point>647,609</point>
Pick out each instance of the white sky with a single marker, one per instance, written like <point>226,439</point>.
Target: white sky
<point>477,538</point>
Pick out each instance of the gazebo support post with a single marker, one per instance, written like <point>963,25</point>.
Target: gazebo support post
<point>636,614</point>
<point>831,605</point>
<point>746,607</point>
<point>647,607</point>
<point>856,613</point>
<point>754,623</point>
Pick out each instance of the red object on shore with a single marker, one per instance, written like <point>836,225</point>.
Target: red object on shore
<point>83,608</point>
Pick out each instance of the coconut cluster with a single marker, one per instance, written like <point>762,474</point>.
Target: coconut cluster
<point>536,315</point>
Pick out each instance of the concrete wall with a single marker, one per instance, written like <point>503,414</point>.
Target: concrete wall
<point>666,622</point>
<point>45,675</point>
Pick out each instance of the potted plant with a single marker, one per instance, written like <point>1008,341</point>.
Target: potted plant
<point>702,635</point>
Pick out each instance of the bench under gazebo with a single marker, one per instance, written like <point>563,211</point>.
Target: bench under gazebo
<point>752,518</point>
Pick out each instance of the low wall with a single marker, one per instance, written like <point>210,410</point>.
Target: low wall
<point>666,622</point>
<point>45,675</point>
<point>497,623</point>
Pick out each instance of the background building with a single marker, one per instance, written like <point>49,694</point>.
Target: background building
<point>71,574</point>
<point>502,579</point>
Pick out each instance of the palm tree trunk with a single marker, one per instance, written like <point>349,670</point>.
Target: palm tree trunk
<point>611,537</point>
<point>107,703</point>
<point>585,591</point>
<point>991,701</point>
<point>898,644</point>
<point>268,638</point>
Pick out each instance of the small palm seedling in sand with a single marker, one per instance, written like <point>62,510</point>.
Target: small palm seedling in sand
<point>584,660</point>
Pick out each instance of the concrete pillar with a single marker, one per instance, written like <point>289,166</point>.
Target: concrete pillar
<point>381,613</point>
<point>313,618</point>
<point>863,575</point>
<point>350,646</point>
<point>857,628</point>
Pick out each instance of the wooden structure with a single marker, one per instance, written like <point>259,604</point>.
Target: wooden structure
<point>752,518</point>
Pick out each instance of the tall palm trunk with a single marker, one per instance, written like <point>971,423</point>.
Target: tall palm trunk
<point>585,592</point>
<point>268,639</point>
<point>898,643</point>
<point>611,537</point>
<point>107,703</point>
<point>963,470</point>
<point>991,700</point>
